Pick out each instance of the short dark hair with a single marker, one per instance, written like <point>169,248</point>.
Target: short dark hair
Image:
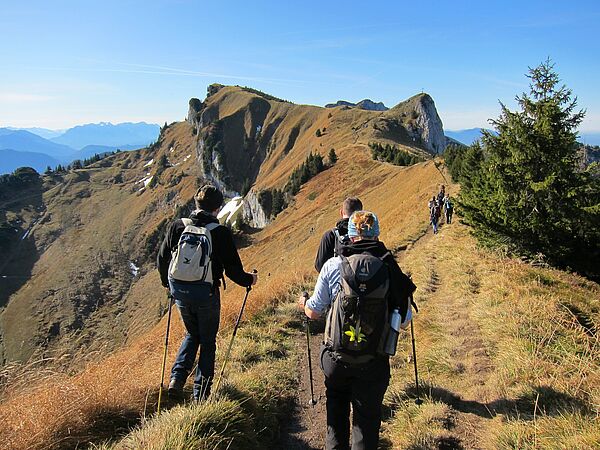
<point>350,205</point>
<point>208,198</point>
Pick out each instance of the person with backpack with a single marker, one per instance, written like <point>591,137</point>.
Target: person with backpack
<point>434,215</point>
<point>191,261</point>
<point>441,195</point>
<point>363,288</point>
<point>448,209</point>
<point>333,239</point>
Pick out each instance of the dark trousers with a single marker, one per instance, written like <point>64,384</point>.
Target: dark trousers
<point>362,387</point>
<point>201,318</point>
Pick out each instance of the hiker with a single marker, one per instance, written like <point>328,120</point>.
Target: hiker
<point>441,195</point>
<point>197,294</point>
<point>333,239</point>
<point>357,372</point>
<point>434,215</point>
<point>432,202</point>
<point>448,209</point>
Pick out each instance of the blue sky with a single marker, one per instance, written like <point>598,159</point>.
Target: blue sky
<point>64,63</point>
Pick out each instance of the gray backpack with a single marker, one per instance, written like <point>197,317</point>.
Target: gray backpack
<point>191,259</point>
<point>357,322</point>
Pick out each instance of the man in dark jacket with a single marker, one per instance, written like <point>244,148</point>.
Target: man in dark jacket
<point>360,385</point>
<point>333,239</point>
<point>200,309</point>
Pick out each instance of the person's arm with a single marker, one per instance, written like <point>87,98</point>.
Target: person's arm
<point>325,251</point>
<point>325,290</point>
<point>401,287</point>
<point>224,250</point>
<point>163,258</point>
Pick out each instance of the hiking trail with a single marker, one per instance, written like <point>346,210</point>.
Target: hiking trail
<point>470,401</point>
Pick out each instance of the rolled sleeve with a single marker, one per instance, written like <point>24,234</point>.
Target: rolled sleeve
<point>328,285</point>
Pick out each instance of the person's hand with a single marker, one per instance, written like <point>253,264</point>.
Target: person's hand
<point>301,302</point>
<point>254,278</point>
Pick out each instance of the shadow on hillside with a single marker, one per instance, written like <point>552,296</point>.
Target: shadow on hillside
<point>19,252</point>
<point>17,268</point>
<point>244,239</point>
<point>543,399</point>
<point>107,425</point>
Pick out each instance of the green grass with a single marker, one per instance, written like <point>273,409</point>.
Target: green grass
<point>245,414</point>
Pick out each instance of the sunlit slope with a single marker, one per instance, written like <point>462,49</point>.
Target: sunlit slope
<point>95,223</point>
<point>283,253</point>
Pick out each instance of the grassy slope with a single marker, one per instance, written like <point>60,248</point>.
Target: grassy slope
<point>91,228</point>
<point>93,224</point>
<point>504,360</point>
<point>119,385</point>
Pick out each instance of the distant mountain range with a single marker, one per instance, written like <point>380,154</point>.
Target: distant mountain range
<point>45,147</point>
<point>131,134</point>
<point>470,135</point>
<point>12,159</point>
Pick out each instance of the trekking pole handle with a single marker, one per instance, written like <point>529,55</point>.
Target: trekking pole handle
<point>249,288</point>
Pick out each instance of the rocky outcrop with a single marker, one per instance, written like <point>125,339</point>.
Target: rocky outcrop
<point>254,214</point>
<point>365,104</point>
<point>429,125</point>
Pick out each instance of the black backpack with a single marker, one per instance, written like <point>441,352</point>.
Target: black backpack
<point>357,322</point>
<point>340,241</point>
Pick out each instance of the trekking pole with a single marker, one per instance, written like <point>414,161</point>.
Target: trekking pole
<point>312,402</point>
<point>164,361</point>
<point>235,328</point>
<point>418,401</point>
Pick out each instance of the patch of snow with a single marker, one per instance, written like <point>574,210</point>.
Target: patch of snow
<point>171,150</point>
<point>146,180</point>
<point>230,212</point>
<point>134,269</point>
<point>186,158</point>
<point>149,163</point>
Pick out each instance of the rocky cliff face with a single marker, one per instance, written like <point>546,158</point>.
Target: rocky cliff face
<point>429,125</point>
<point>254,214</point>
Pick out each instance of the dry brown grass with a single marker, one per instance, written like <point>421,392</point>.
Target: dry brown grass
<point>501,343</point>
<point>71,409</point>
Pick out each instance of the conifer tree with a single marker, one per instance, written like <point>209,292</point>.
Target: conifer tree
<point>524,183</point>
<point>332,157</point>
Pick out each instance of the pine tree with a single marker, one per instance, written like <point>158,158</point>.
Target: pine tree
<point>524,184</point>
<point>332,157</point>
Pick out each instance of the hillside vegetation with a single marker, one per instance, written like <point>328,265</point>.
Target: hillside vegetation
<point>508,352</point>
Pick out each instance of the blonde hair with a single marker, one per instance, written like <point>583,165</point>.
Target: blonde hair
<point>363,220</point>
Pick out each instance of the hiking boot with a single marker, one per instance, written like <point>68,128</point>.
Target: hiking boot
<point>176,387</point>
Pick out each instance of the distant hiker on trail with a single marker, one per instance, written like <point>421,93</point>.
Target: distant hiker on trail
<point>434,214</point>
<point>363,286</point>
<point>191,261</point>
<point>448,209</point>
<point>333,239</point>
<point>441,195</point>
<point>432,202</point>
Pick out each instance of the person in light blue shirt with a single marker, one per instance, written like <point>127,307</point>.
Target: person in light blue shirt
<point>362,385</point>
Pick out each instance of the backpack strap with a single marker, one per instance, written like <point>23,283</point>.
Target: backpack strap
<point>187,221</point>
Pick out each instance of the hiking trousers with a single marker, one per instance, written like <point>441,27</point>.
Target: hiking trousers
<point>201,318</point>
<point>362,387</point>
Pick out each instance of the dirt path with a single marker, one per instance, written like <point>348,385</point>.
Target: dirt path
<point>472,404</point>
<point>463,387</point>
<point>307,424</point>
